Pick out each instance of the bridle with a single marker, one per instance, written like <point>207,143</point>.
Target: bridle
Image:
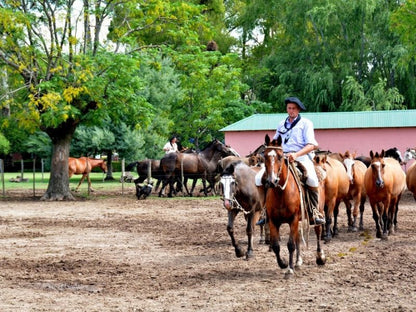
<point>227,180</point>
<point>279,172</point>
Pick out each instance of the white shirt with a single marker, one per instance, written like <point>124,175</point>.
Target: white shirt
<point>296,138</point>
<point>170,147</point>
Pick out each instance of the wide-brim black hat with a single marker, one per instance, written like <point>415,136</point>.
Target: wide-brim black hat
<point>296,101</point>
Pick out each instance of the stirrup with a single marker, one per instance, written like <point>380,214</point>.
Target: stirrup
<point>317,218</point>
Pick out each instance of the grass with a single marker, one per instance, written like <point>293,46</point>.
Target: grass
<point>40,182</point>
<point>97,183</point>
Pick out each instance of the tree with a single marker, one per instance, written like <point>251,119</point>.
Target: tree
<point>68,80</point>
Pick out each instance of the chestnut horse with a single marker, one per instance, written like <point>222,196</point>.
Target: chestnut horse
<point>356,192</point>
<point>336,189</point>
<point>411,172</point>
<point>385,182</point>
<point>84,165</point>
<point>240,194</point>
<point>284,204</point>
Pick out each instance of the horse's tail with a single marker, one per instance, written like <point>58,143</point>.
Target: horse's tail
<point>130,166</point>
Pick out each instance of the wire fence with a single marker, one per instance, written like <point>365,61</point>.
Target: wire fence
<point>25,174</point>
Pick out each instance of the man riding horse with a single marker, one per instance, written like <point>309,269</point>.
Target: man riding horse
<point>299,143</point>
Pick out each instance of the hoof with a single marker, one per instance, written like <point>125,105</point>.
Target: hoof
<point>320,258</point>
<point>239,253</point>
<point>299,263</point>
<point>289,273</point>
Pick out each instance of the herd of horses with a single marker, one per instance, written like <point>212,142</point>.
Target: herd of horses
<point>280,197</point>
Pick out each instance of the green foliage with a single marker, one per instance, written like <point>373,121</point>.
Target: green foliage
<point>4,145</point>
<point>39,144</point>
<point>210,82</point>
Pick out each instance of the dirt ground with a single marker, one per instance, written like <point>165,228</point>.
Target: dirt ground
<point>115,253</point>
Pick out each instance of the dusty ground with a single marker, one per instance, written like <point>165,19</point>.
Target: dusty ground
<point>114,253</point>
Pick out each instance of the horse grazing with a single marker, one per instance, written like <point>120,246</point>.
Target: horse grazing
<point>356,192</point>
<point>240,194</point>
<point>385,182</point>
<point>84,165</point>
<point>284,204</point>
<point>336,187</point>
<point>201,165</point>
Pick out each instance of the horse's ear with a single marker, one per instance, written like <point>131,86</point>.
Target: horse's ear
<point>382,153</point>
<point>346,155</point>
<point>267,139</point>
<point>279,141</point>
<point>371,154</point>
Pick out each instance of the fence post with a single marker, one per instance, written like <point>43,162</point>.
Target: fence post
<point>2,176</point>
<point>22,166</point>
<point>34,176</point>
<point>122,176</point>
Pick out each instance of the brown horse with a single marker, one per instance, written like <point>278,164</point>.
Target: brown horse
<point>84,165</point>
<point>411,179</point>
<point>285,205</point>
<point>356,192</point>
<point>385,182</point>
<point>336,189</point>
<point>411,172</point>
<point>240,194</point>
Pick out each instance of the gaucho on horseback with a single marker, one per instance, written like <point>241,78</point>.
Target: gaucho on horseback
<point>299,143</point>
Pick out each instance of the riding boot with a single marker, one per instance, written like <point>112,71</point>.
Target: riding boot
<point>315,216</point>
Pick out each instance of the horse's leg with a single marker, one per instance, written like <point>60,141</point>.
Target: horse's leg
<point>377,218</point>
<point>395,212</point>
<point>249,231</point>
<point>348,207</point>
<point>230,229</point>
<point>162,189</point>
<point>362,202</point>
<point>204,185</point>
<point>80,182</point>
<point>385,215</point>
<point>335,230</point>
<point>293,245</point>
<point>89,183</point>
<point>329,209</point>
<point>320,255</point>
<point>391,215</point>
<point>274,242</point>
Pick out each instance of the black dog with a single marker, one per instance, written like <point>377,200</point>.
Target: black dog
<point>144,190</point>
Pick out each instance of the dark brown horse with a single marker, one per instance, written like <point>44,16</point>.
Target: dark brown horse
<point>202,165</point>
<point>240,194</point>
<point>146,169</point>
<point>284,204</point>
<point>385,182</point>
<point>84,165</point>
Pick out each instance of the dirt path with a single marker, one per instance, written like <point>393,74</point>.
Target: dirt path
<point>114,253</point>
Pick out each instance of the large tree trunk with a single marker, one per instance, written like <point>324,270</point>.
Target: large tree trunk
<point>58,187</point>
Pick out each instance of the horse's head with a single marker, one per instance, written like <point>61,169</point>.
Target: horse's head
<point>409,154</point>
<point>348,160</point>
<point>377,167</point>
<point>273,161</point>
<point>228,186</point>
<point>394,153</point>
